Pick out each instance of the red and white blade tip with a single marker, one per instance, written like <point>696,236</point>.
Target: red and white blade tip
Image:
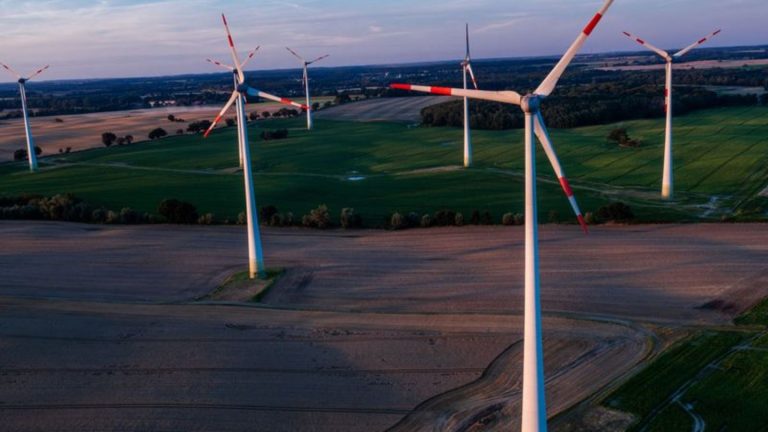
<point>550,82</point>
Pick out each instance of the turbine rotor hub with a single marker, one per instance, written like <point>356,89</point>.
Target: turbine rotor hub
<point>530,104</point>
<point>22,80</point>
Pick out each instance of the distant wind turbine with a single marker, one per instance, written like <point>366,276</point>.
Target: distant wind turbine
<point>305,80</point>
<point>667,181</point>
<point>255,253</point>
<point>466,67</point>
<point>534,413</point>
<point>25,113</point>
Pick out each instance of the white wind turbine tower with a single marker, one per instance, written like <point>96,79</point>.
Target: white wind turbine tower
<point>23,93</point>
<point>305,80</point>
<point>667,181</point>
<point>255,254</point>
<point>236,83</point>
<point>466,67</point>
<point>534,413</point>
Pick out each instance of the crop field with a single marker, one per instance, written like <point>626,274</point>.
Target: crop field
<point>721,166</point>
<point>367,330</point>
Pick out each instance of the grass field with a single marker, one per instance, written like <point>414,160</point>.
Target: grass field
<point>718,378</point>
<point>721,165</point>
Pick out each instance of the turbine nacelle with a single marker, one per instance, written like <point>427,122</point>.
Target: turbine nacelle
<point>530,103</point>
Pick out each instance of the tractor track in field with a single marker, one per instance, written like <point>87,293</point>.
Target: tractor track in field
<point>131,371</point>
<point>199,406</point>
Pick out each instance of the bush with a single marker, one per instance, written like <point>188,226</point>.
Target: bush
<point>413,219</point>
<point>99,215</point>
<point>206,219</point>
<point>288,220</point>
<point>230,122</point>
<point>242,218</point>
<point>486,218</point>
<point>426,221</point>
<point>108,138</point>
<point>508,219</point>
<point>157,133</point>
<point>397,221</point>
<point>129,216</point>
<point>444,217</point>
<point>475,218</point>
<point>276,220</point>
<point>317,218</point>
<point>349,219</point>
<point>175,211</point>
<point>21,154</point>
<point>198,126</point>
<point>617,212</point>
<point>266,212</point>
<point>459,219</point>
<point>590,218</point>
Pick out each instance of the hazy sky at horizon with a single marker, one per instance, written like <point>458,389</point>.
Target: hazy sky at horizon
<point>120,38</point>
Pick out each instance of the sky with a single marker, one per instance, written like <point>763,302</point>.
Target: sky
<point>121,38</point>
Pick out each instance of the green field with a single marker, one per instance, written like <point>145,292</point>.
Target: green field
<point>719,376</point>
<point>721,159</point>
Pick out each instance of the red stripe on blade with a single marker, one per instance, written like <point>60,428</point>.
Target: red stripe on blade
<point>583,223</point>
<point>400,86</point>
<point>640,41</point>
<point>232,44</point>
<point>566,187</point>
<point>592,24</point>
<point>441,91</point>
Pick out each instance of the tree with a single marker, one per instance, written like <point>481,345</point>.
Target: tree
<point>108,138</point>
<point>21,154</point>
<point>128,139</point>
<point>315,106</point>
<point>350,219</point>
<point>230,122</point>
<point>199,126</point>
<point>175,211</point>
<point>120,141</point>
<point>266,114</point>
<point>157,133</point>
<point>254,116</point>
<point>171,117</point>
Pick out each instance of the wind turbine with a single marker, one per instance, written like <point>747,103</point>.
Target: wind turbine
<point>667,181</point>
<point>255,254</point>
<point>466,67</point>
<point>23,93</point>
<point>534,413</point>
<point>236,83</point>
<point>305,79</point>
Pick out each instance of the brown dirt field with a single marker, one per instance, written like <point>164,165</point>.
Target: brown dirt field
<point>368,329</point>
<point>83,131</point>
<point>400,109</point>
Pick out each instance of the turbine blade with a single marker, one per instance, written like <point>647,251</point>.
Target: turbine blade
<point>258,93</point>
<point>644,43</point>
<point>233,50</point>
<point>546,143</point>
<point>685,50</point>
<point>296,55</point>
<point>550,82</point>
<point>220,64</point>
<point>250,56</point>
<point>38,72</point>
<point>231,100</point>
<point>472,75</point>
<point>10,69</point>
<point>318,59</point>
<point>467,57</point>
<point>509,97</point>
